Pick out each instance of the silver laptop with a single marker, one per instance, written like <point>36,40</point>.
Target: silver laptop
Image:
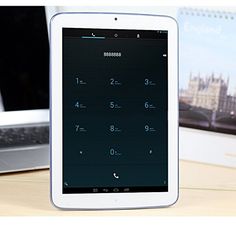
<point>24,89</point>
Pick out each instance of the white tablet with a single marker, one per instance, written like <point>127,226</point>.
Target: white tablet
<point>114,111</point>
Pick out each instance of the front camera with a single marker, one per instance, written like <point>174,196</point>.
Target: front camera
<point>115,18</point>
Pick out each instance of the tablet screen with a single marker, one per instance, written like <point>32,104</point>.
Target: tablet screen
<point>115,122</point>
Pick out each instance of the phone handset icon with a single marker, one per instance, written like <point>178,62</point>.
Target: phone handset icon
<point>116,175</point>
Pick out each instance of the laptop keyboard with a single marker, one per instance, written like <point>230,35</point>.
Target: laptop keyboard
<point>24,136</point>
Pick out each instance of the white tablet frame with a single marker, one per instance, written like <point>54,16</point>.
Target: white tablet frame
<point>111,200</point>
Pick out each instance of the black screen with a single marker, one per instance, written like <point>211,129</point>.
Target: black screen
<point>115,128</point>
<point>24,58</point>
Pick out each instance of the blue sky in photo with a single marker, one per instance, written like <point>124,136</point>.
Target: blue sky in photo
<point>207,45</point>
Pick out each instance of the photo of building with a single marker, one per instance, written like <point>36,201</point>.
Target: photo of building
<point>206,103</point>
<point>209,93</point>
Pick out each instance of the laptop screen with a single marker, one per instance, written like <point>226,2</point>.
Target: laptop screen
<point>24,59</point>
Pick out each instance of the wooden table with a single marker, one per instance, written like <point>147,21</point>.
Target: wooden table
<point>204,190</point>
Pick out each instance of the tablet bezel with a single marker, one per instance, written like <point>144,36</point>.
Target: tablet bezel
<point>111,200</point>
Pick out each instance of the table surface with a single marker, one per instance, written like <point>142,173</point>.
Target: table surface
<point>204,190</point>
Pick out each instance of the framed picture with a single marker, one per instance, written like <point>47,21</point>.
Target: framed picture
<point>207,85</point>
